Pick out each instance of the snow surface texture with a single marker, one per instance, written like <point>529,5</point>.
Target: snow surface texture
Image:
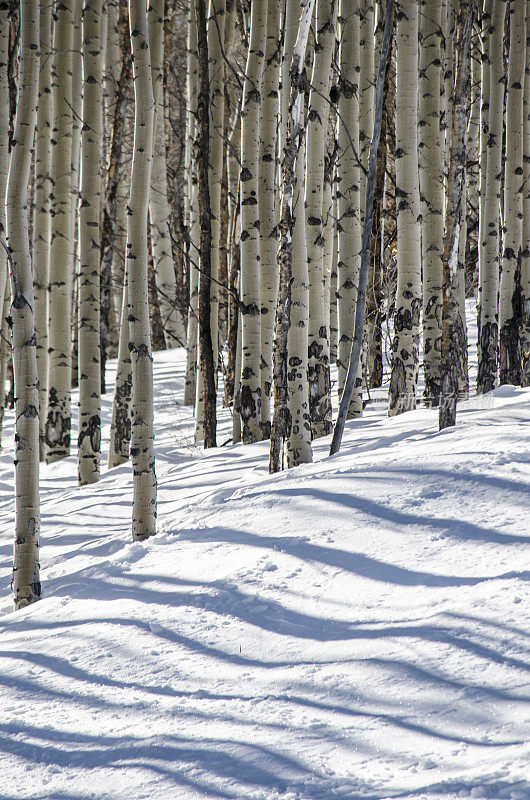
<point>354,629</point>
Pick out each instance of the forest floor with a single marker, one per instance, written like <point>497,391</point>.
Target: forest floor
<point>355,629</point>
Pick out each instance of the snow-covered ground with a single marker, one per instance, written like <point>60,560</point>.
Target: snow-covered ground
<point>353,629</point>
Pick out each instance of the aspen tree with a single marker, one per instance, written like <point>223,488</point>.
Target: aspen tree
<point>510,283</point>
<point>348,195</point>
<point>281,424</point>
<point>111,252</point>
<point>366,88</point>
<point>89,442</point>
<point>317,142</point>
<point>58,413</point>
<point>250,397</point>
<point>159,211</point>
<point>268,244</point>
<point>525,260</point>
<point>190,387</point>
<point>42,206</point>
<point>488,329</point>
<point>26,581</point>
<point>405,346</point>
<point>142,432</point>
<point>206,382</point>
<point>5,349</point>
<point>431,164</point>
<point>485,18</point>
<point>453,337</point>
<point>120,426</point>
<point>299,432</point>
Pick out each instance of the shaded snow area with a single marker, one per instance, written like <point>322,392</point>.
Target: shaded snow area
<point>357,628</point>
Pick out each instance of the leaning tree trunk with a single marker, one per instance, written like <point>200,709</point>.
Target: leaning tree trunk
<point>268,234</point>
<point>58,412</point>
<point>281,423</point>
<point>250,396</point>
<point>89,441</point>
<point>348,194</point>
<point>488,349</point>
<point>510,284</point>
<point>317,141</point>
<point>405,346</point>
<point>525,261</point>
<point>142,437</point>
<point>454,341</point>
<point>5,350</point>
<point>26,581</point>
<point>431,163</point>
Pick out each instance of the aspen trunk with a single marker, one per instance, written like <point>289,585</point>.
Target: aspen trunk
<point>190,387</point>
<point>431,163</point>
<point>159,211</point>
<point>58,413</point>
<point>453,338</point>
<point>405,346</point>
<point>89,441</point>
<point>250,397</point>
<point>42,208</point>
<point>281,424</point>
<point>490,238</point>
<point>317,141</point>
<point>142,433</point>
<point>525,260</point>
<point>206,388</point>
<point>120,426</point>
<point>348,194</point>
<point>26,581</point>
<point>510,283</point>
<point>5,349</point>
<point>268,235</point>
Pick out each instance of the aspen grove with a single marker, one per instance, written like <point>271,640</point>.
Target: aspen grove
<point>198,177</point>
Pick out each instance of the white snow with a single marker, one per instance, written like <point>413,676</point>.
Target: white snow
<point>353,629</point>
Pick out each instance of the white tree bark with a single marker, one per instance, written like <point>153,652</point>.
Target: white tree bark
<point>5,349</point>
<point>26,581</point>
<point>89,441</point>
<point>58,412</point>
<point>509,299</point>
<point>490,238</point>
<point>317,231</point>
<point>525,261</point>
<point>250,396</point>
<point>431,164</point>
<point>405,346</point>
<point>348,196</point>
<point>142,436</point>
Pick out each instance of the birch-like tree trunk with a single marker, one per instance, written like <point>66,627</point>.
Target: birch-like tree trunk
<point>42,207</point>
<point>431,163</point>
<point>190,387</point>
<point>159,211</point>
<point>5,348</point>
<point>510,283</point>
<point>348,196</point>
<point>525,260</point>
<point>282,422</point>
<point>453,333</point>
<point>206,415</point>
<point>142,432</point>
<point>250,396</point>
<point>488,328</point>
<point>89,441</point>
<point>317,142</point>
<point>405,346</point>
<point>26,581</point>
<point>58,413</point>
<point>268,234</point>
